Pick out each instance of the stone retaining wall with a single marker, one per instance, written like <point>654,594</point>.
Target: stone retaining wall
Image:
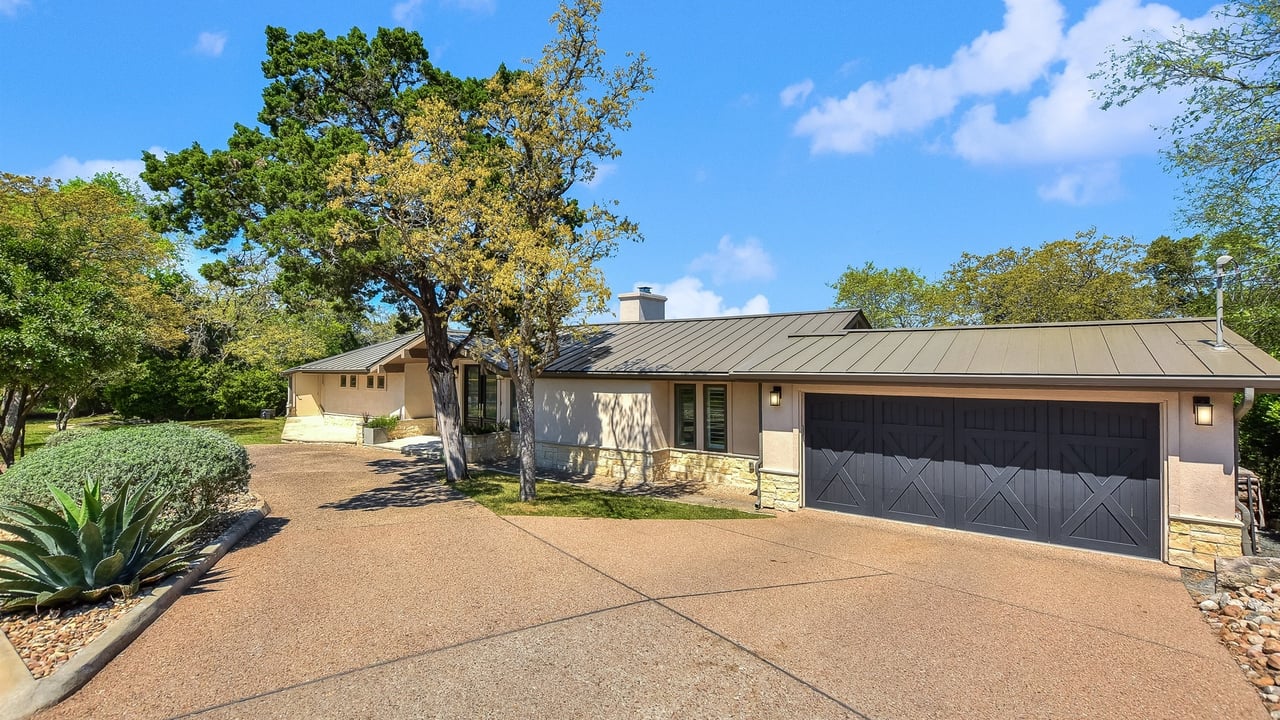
<point>490,446</point>
<point>1198,542</point>
<point>628,466</point>
<point>410,428</point>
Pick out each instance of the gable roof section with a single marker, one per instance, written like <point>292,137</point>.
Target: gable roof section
<point>809,347</point>
<point>360,360</point>
<point>698,346</point>
<point>368,358</point>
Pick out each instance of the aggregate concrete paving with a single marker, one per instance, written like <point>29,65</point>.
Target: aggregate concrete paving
<point>373,592</point>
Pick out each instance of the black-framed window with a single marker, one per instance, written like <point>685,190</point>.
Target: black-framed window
<point>342,381</point>
<point>481,403</point>
<point>382,382</point>
<point>368,382</point>
<point>686,416</point>
<point>351,381</point>
<point>715,413</point>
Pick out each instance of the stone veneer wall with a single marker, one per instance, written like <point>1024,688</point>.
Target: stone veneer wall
<point>490,446</point>
<point>1197,542</point>
<point>630,467</point>
<point>409,428</point>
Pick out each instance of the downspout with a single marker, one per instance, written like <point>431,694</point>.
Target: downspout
<point>759,442</point>
<point>1251,532</point>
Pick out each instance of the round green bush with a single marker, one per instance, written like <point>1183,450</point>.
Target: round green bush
<point>201,468</point>
<point>71,434</point>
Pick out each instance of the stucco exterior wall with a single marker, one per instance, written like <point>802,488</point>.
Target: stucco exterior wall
<point>305,401</point>
<point>418,400</point>
<point>337,400</point>
<point>609,414</point>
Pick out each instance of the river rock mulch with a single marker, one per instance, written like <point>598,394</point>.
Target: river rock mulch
<point>47,639</point>
<point>1248,622</point>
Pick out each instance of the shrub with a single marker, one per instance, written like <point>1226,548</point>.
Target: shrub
<point>386,422</point>
<point>198,467</point>
<point>70,435</point>
<point>89,550</point>
<point>244,393</point>
<point>484,427</point>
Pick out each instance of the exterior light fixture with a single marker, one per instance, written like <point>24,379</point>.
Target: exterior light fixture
<point>1203,410</point>
<point>775,396</point>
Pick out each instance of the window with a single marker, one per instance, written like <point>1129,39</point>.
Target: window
<point>481,391</point>
<point>351,380</point>
<point>715,410</point>
<point>368,382</point>
<point>342,381</point>
<point>382,382</point>
<point>686,416</point>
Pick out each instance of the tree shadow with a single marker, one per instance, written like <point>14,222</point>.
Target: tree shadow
<point>267,528</point>
<point>649,487</point>
<point>208,582</point>
<point>418,485</point>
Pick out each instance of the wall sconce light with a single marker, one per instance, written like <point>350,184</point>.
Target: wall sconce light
<point>1203,410</point>
<point>775,396</point>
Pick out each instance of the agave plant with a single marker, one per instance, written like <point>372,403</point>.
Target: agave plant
<point>88,550</point>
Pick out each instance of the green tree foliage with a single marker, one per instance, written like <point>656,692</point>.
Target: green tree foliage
<point>1092,277</point>
<point>892,297</point>
<point>482,196</point>
<point>1226,142</point>
<point>79,298</point>
<point>327,98</point>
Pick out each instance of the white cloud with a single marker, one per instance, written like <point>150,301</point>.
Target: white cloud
<point>1084,185</point>
<point>10,8</point>
<point>731,262</point>
<point>795,94</point>
<point>1061,123</point>
<point>210,44</point>
<point>1009,59</point>
<point>687,298</point>
<point>405,13</point>
<point>67,167</point>
<point>604,171</point>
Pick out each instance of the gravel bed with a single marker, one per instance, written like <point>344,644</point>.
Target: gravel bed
<point>47,639</point>
<point>1247,622</point>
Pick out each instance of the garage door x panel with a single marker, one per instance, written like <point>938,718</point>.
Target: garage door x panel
<point>1080,474</point>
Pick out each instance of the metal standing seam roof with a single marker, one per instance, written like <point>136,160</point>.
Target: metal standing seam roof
<point>815,346</point>
<point>693,346</point>
<point>366,359</point>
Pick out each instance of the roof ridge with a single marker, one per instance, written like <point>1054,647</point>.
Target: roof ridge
<point>1063,324</point>
<point>828,311</point>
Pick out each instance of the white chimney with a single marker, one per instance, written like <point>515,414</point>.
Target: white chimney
<point>642,305</point>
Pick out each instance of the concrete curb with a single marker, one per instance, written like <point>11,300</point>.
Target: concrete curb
<point>22,696</point>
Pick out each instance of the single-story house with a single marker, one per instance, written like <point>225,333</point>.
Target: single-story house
<point>1112,436</point>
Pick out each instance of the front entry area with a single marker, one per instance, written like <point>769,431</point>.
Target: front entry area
<point>1070,473</point>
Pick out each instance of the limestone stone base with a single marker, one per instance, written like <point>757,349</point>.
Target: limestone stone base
<point>1198,542</point>
<point>688,468</point>
<point>410,428</point>
<point>490,446</point>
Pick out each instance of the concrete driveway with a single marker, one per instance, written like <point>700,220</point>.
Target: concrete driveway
<point>372,593</point>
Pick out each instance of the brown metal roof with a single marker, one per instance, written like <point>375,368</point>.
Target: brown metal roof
<point>836,345</point>
<point>702,346</point>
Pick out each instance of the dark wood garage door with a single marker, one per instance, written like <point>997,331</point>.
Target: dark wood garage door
<point>1079,474</point>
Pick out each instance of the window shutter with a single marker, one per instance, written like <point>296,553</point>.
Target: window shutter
<point>716,409</point>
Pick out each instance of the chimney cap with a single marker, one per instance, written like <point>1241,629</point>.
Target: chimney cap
<point>644,288</point>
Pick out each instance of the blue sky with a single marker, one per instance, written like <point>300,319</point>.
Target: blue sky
<point>782,142</point>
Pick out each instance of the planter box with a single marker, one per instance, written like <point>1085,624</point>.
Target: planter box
<point>374,436</point>
<point>490,446</point>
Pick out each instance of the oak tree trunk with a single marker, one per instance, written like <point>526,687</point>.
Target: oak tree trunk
<point>523,376</point>
<point>444,390</point>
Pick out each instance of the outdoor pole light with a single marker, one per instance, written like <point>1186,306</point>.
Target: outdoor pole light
<point>1203,411</point>
<point>775,396</point>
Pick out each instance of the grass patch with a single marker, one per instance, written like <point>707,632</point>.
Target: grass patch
<point>247,431</point>
<point>501,494</point>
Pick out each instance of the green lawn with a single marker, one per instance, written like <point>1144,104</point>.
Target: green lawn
<point>501,493</point>
<point>248,431</point>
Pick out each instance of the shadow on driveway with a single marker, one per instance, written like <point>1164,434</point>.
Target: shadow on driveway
<point>417,486</point>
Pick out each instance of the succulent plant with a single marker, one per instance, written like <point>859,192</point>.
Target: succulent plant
<point>88,550</point>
